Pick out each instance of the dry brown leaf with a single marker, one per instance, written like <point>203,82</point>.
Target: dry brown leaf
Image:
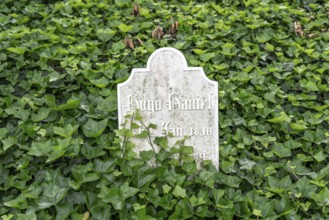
<point>312,35</point>
<point>129,43</point>
<point>173,27</point>
<point>136,10</point>
<point>298,29</point>
<point>140,42</point>
<point>157,33</point>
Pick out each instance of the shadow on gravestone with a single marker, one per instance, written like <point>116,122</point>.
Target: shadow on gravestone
<point>179,100</point>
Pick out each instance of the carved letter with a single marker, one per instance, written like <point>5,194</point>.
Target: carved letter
<point>209,131</point>
<point>132,103</point>
<point>150,107</point>
<point>185,105</point>
<point>178,132</point>
<point>203,103</point>
<point>158,106</point>
<point>173,105</point>
<point>165,127</point>
<point>196,103</point>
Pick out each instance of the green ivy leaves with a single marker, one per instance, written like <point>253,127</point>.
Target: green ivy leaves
<point>60,63</point>
<point>93,128</point>
<point>117,195</point>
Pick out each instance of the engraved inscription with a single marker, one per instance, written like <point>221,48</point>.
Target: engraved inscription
<point>143,105</point>
<point>198,157</point>
<point>175,103</point>
<point>202,156</point>
<point>181,132</point>
<point>176,131</point>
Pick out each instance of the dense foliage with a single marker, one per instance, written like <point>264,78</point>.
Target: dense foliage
<point>60,62</point>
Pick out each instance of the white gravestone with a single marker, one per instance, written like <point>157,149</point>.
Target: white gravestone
<point>178,99</point>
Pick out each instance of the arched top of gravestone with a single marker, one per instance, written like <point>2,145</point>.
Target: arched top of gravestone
<point>166,56</point>
<point>168,61</point>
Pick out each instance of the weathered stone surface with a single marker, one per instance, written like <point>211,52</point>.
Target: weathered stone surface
<point>176,98</point>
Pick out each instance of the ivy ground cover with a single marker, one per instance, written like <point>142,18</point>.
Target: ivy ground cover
<point>60,62</point>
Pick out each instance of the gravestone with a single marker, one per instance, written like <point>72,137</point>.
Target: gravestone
<point>179,100</point>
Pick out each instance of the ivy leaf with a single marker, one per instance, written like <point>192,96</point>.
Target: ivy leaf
<point>257,212</point>
<point>207,178</point>
<point>166,188</point>
<point>59,150</point>
<point>229,180</point>
<point>127,191</point>
<point>269,47</point>
<point>19,202</point>
<point>282,117</point>
<point>40,148</point>
<point>104,166</point>
<point>101,83</point>
<point>281,150</point>
<point>198,51</point>
<point>8,142</point>
<point>196,201</point>
<point>3,133</point>
<point>305,187</point>
<point>52,195</point>
<point>145,180</point>
<point>41,115</point>
<point>116,196</point>
<point>323,172</point>
<point>207,56</point>
<point>83,174</point>
<point>322,197</point>
<point>70,104</point>
<point>30,216</point>
<point>93,128</point>
<point>64,210</point>
<point>226,49</point>
<point>320,156</point>
<point>179,191</point>
<point>247,164</point>
<point>298,126</point>
<point>263,38</point>
<point>105,34</point>
<point>18,50</point>
<point>125,28</point>
<point>122,3</point>
<point>67,131</point>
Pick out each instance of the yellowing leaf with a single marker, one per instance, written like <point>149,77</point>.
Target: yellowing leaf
<point>18,50</point>
<point>283,117</point>
<point>298,126</point>
<point>198,51</point>
<point>86,216</point>
<point>125,28</point>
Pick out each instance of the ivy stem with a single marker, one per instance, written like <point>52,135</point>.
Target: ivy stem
<point>148,136</point>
